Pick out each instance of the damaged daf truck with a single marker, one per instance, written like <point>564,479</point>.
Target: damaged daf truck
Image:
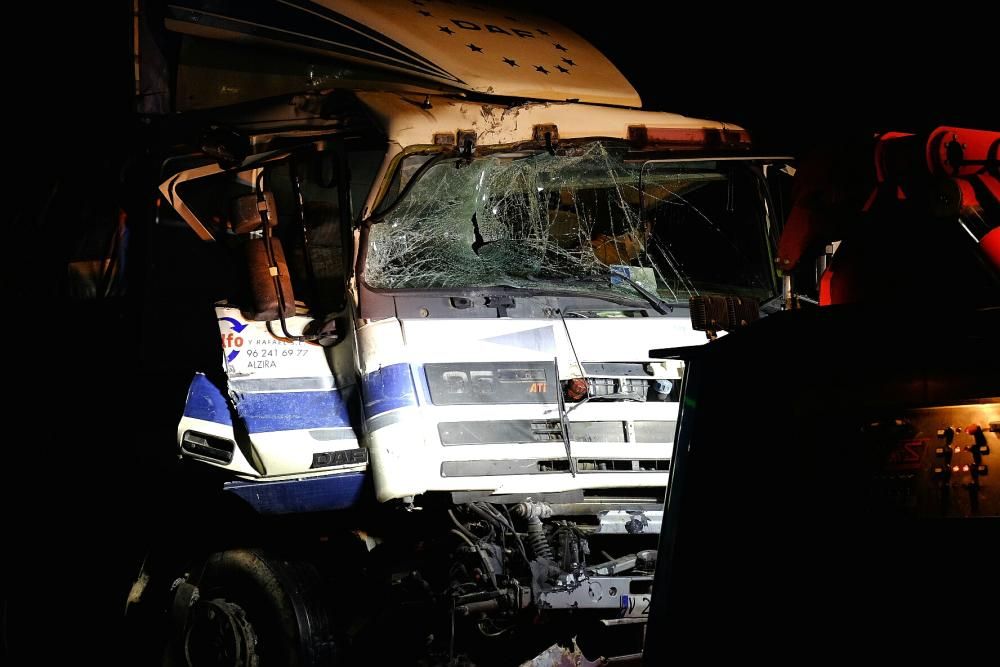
<point>442,241</point>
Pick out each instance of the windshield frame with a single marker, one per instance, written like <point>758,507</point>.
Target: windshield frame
<point>632,156</point>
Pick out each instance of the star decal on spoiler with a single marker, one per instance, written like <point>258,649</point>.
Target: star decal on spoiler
<point>446,29</point>
<point>424,12</point>
<point>560,47</point>
<point>539,68</point>
<point>562,69</point>
<point>568,61</point>
<point>475,48</point>
<point>511,62</point>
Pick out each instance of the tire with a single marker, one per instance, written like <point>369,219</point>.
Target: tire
<point>266,611</point>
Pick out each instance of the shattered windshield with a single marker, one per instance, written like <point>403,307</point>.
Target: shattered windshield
<point>577,222</point>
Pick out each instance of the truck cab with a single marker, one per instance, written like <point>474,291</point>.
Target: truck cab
<point>450,243</point>
<point>498,295</point>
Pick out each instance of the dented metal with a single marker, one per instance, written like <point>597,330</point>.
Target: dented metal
<point>486,257</point>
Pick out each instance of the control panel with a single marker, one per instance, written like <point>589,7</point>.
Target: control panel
<point>937,462</point>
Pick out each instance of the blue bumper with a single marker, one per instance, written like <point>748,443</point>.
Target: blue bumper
<point>313,494</point>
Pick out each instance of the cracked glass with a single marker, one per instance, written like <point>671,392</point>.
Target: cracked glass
<point>577,220</point>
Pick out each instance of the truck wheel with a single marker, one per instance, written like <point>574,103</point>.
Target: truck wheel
<point>252,610</point>
<point>219,633</point>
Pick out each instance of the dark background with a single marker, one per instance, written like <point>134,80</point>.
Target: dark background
<point>802,75</point>
<point>796,77</point>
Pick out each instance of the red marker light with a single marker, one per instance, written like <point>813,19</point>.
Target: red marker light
<point>576,389</point>
<point>641,136</point>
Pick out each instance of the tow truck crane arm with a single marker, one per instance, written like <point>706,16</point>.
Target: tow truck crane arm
<point>951,173</point>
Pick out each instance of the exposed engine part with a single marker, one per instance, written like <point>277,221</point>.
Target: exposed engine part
<point>532,509</point>
<point>534,512</point>
<point>536,538</point>
<point>513,598</point>
<point>645,561</point>
<point>631,522</point>
<point>614,566</point>
<point>630,595</point>
<point>511,558</point>
<point>572,546</point>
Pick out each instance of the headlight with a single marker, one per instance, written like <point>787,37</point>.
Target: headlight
<point>499,382</point>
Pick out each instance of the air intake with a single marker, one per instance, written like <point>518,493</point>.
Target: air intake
<point>207,446</point>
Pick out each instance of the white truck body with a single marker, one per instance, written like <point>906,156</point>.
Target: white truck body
<point>503,235</point>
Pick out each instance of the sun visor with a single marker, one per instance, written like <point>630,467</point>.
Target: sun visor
<point>446,45</point>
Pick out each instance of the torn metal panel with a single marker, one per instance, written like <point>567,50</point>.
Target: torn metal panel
<point>206,432</point>
<point>286,397</point>
<point>206,402</point>
<point>558,656</point>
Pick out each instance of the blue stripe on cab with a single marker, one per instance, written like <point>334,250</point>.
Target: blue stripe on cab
<point>388,388</point>
<point>293,410</point>
<point>313,494</point>
<point>205,401</point>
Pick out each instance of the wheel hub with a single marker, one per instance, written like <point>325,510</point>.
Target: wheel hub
<point>219,635</point>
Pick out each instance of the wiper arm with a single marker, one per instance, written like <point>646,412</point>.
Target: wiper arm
<point>658,304</point>
<point>661,306</point>
<point>563,422</point>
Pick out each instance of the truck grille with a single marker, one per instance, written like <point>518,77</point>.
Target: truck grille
<point>549,430</point>
<point>533,466</point>
<point>629,388</point>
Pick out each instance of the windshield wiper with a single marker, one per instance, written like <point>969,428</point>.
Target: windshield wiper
<point>658,304</point>
<point>661,306</point>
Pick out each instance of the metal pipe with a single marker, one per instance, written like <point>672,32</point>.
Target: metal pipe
<point>468,533</point>
<point>477,607</point>
<point>466,539</point>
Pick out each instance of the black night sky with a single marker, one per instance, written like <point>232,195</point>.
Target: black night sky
<point>798,77</point>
